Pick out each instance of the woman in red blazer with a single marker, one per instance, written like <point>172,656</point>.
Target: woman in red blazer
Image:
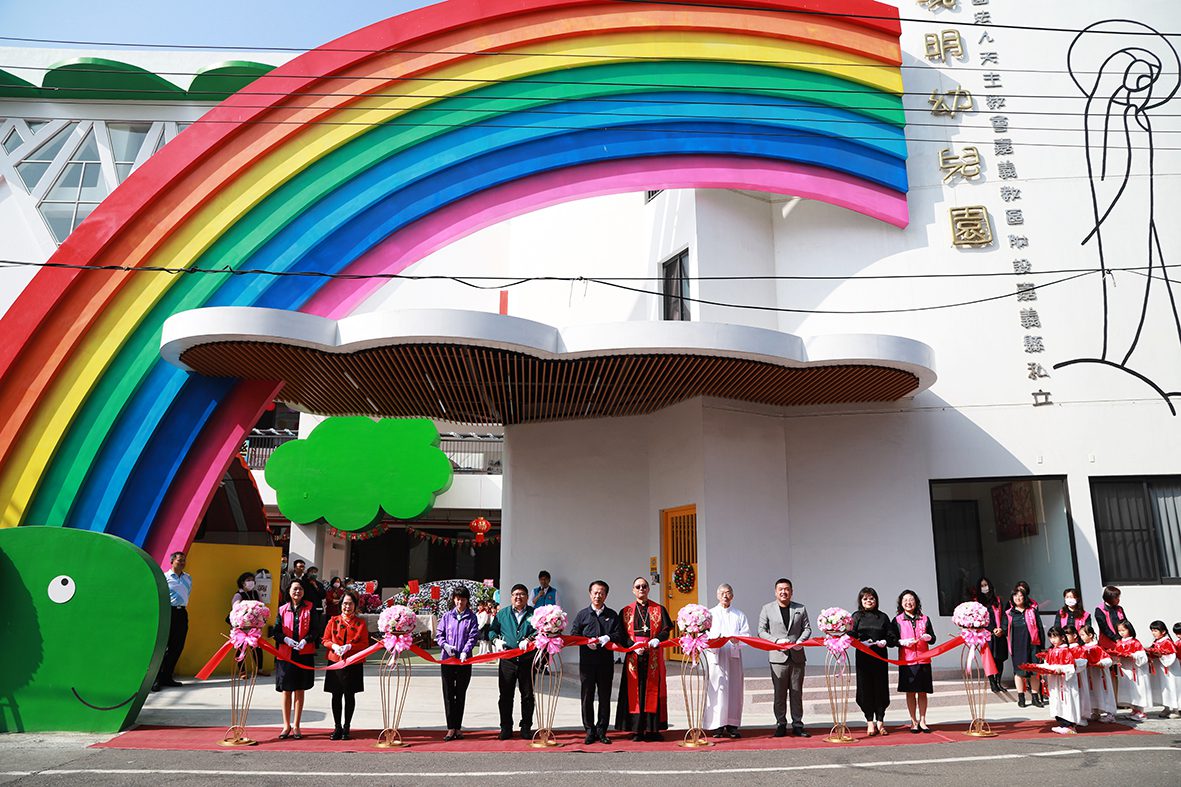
<point>345,635</point>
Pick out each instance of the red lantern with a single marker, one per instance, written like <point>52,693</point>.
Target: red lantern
<point>412,586</point>
<point>436,593</point>
<point>480,526</point>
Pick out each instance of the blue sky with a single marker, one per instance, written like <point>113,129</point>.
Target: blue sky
<point>246,24</point>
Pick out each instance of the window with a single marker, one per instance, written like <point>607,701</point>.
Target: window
<point>1007,529</point>
<point>35,165</point>
<point>78,190</point>
<point>126,141</point>
<point>1138,526</point>
<point>676,287</point>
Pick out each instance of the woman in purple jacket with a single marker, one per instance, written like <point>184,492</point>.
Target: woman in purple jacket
<point>457,634</point>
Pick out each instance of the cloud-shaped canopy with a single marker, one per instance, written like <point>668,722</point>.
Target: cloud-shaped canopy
<point>348,469</point>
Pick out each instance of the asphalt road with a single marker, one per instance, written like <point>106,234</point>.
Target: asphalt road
<point>1140,760</point>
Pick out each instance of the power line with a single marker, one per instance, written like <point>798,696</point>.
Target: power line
<point>508,283</point>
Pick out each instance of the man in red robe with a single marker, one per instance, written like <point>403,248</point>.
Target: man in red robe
<point>643,695</point>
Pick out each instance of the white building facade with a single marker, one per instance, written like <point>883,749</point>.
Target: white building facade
<point>1043,445</point>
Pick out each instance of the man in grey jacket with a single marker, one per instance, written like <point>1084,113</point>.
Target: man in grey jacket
<point>783,621</point>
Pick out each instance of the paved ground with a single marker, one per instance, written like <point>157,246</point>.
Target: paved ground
<point>65,758</point>
<point>1142,760</point>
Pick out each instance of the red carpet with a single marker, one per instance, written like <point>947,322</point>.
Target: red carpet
<point>484,741</point>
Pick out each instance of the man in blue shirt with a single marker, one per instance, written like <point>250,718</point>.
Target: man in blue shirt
<point>180,587</point>
<point>545,593</point>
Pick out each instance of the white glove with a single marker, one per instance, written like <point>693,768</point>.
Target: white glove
<point>881,643</point>
<point>1140,658</point>
<point>336,649</point>
<point>289,642</point>
<point>499,644</point>
<point>345,648</point>
<point>782,641</point>
<point>593,644</point>
<point>927,638</point>
<point>463,656</point>
<point>907,642</point>
<point>603,640</point>
<point>303,643</point>
<point>447,649</point>
<point>654,643</point>
<point>1105,662</point>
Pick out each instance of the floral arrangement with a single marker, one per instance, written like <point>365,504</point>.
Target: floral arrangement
<point>684,577</point>
<point>247,620</point>
<point>422,603</point>
<point>396,624</point>
<point>370,602</point>
<point>835,623</point>
<point>550,622</point>
<point>694,620</point>
<point>972,617</point>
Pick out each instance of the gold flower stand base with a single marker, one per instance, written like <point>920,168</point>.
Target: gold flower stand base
<point>838,680</point>
<point>546,685</point>
<point>242,678</point>
<point>394,679</point>
<point>977,693</point>
<point>694,680</point>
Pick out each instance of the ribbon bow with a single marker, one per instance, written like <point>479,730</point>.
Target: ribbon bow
<point>548,644</point>
<point>396,643</point>
<point>693,644</point>
<point>244,638</point>
<point>838,645</point>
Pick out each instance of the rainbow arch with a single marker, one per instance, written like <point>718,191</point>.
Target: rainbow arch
<point>378,148</point>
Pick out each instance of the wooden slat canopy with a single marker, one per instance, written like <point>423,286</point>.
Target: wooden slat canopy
<point>486,385</point>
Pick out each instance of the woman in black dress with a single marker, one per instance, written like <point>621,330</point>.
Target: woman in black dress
<point>1026,637</point>
<point>999,645</point>
<point>876,629</point>
<point>293,632</point>
<point>915,635</point>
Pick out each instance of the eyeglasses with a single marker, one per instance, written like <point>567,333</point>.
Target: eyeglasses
<point>641,587</point>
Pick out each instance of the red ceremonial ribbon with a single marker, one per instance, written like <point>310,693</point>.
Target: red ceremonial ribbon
<point>572,641</point>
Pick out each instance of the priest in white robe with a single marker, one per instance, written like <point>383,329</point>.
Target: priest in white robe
<point>723,698</point>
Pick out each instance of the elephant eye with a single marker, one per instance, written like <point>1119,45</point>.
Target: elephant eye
<point>61,589</point>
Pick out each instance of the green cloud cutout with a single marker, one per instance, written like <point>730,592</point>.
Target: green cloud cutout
<point>348,469</point>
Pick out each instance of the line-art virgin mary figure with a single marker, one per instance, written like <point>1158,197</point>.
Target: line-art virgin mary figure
<point>1127,70</point>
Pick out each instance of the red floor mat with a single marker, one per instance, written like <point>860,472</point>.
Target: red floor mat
<point>484,741</point>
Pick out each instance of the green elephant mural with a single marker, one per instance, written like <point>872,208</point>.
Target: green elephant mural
<point>84,627</point>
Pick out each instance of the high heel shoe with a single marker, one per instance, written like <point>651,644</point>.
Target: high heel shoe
<point>284,735</point>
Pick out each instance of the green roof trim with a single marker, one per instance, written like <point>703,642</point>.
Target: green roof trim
<point>110,80</point>
<point>12,86</point>
<point>99,79</point>
<point>216,82</point>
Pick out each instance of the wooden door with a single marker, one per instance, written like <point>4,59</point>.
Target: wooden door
<point>678,528</point>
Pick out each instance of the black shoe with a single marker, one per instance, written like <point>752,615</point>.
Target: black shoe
<point>1039,701</point>
<point>734,733</point>
<point>1021,700</point>
<point>527,733</point>
<point>637,736</point>
<point>170,683</point>
<point>344,734</point>
<point>654,737</point>
<point>591,737</point>
<point>451,735</point>
<point>155,687</point>
<point>337,734</point>
<point>720,732</point>
<point>780,731</point>
<point>505,735</point>
<point>603,738</point>
<point>800,732</point>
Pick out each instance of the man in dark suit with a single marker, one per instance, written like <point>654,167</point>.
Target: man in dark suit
<point>596,666</point>
<point>784,621</point>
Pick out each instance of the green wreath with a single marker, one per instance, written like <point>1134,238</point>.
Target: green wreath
<point>684,577</point>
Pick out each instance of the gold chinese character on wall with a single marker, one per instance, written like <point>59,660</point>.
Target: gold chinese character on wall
<point>960,101</point>
<point>944,45</point>
<point>970,226</point>
<point>966,165</point>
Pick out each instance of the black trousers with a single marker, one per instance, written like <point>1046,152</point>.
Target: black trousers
<point>516,674</point>
<point>596,679</point>
<point>178,630</point>
<point>456,677</point>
